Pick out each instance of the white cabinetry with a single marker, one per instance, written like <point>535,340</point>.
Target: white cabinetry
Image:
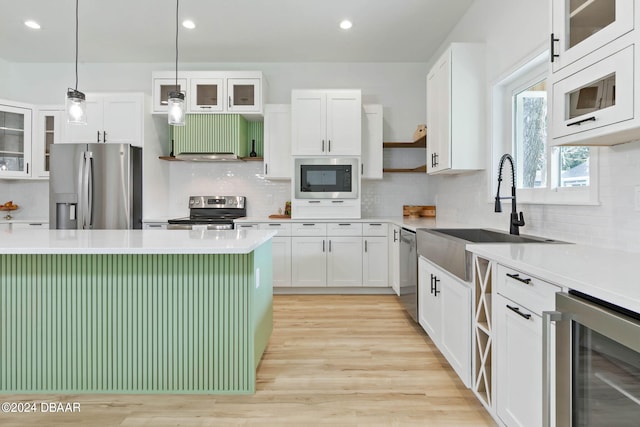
<point>30,225</point>
<point>278,163</point>
<point>394,258</point>
<point>372,141</point>
<point>326,122</point>
<point>281,252</point>
<point>580,27</point>
<point>47,132</point>
<point>444,304</point>
<point>455,110</point>
<point>593,88</point>
<point>15,139</point>
<point>375,258</point>
<point>212,91</point>
<point>517,312</point>
<point>111,118</point>
<point>344,261</point>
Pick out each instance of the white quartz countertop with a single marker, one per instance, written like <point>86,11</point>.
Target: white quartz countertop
<point>132,241</point>
<point>608,274</point>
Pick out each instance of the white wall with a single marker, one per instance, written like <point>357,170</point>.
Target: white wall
<point>399,87</point>
<point>513,30</point>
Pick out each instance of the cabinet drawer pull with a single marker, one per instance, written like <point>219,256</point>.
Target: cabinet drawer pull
<point>554,55</point>
<point>344,225</point>
<point>205,106</point>
<point>314,201</point>
<point>395,236</point>
<point>519,279</point>
<point>375,224</point>
<point>517,311</point>
<point>308,225</point>
<point>275,225</point>
<point>579,122</point>
<point>337,201</point>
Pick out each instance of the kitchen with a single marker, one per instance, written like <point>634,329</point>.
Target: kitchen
<point>510,35</point>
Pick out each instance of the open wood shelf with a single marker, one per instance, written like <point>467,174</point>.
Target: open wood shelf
<point>421,143</point>
<point>422,168</point>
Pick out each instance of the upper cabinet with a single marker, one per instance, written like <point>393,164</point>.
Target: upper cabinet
<point>15,140</point>
<point>212,91</point>
<point>326,122</point>
<point>455,110</point>
<point>593,90</point>
<point>582,26</point>
<point>277,141</point>
<point>371,141</point>
<point>47,131</point>
<point>111,118</point>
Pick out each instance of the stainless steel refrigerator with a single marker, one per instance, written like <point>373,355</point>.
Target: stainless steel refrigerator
<point>95,186</point>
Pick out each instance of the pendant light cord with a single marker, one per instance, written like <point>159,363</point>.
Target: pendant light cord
<point>177,7</point>
<point>76,46</point>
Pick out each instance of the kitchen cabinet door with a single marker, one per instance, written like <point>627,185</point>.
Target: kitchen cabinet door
<point>456,325</point>
<point>344,261</point>
<point>375,262</point>
<point>92,131</point>
<point>344,123</point>
<point>15,140</point>
<point>519,364</point>
<point>244,95</point>
<point>281,259</point>
<point>308,122</point>
<point>581,27</point>
<point>278,163</point>
<point>48,132</point>
<point>429,306</point>
<point>455,110</point>
<point>394,258</point>
<point>162,86</point>
<point>309,262</point>
<point>372,141</point>
<point>206,95</point>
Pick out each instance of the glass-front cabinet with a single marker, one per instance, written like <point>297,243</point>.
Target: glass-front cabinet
<point>15,141</point>
<point>206,95</point>
<point>582,26</point>
<point>244,95</point>
<point>47,130</point>
<point>161,89</point>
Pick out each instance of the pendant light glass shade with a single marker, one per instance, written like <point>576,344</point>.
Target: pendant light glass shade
<point>176,108</point>
<point>76,107</point>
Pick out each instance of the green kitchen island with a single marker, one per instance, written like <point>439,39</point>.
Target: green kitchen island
<point>133,311</point>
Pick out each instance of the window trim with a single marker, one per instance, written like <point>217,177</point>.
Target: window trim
<point>526,72</point>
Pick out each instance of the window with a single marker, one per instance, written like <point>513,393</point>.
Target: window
<point>544,174</point>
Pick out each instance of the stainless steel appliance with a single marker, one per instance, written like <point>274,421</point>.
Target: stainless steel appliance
<point>211,213</point>
<point>326,178</point>
<point>409,272</point>
<point>597,363</point>
<point>95,186</point>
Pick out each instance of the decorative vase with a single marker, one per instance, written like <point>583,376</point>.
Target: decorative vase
<point>253,148</point>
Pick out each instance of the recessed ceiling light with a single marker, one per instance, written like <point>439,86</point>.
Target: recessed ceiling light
<point>346,24</point>
<point>32,24</point>
<point>188,23</point>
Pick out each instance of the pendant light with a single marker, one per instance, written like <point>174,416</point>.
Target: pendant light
<point>176,98</point>
<point>76,104</point>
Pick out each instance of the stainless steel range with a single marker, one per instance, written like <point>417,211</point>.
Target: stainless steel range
<point>211,213</point>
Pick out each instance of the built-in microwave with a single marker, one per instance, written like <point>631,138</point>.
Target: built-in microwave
<point>326,178</point>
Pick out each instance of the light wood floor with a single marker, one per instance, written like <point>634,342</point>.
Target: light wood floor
<point>332,360</point>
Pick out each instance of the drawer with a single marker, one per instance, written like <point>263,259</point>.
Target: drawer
<point>530,292</point>
<point>375,229</point>
<point>246,226</point>
<point>29,225</point>
<point>309,229</point>
<point>283,228</point>
<point>344,229</point>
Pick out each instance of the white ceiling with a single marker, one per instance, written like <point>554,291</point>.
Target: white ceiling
<point>228,30</point>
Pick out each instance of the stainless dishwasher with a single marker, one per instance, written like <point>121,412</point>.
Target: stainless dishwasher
<point>409,272</point>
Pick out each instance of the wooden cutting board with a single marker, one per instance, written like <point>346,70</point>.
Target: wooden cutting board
<point>428,211</point>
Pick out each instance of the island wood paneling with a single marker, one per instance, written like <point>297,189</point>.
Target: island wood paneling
<point>150,323</point>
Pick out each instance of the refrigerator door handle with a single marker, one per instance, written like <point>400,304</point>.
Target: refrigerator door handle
<point>90,190</point>
<point>84,190</point>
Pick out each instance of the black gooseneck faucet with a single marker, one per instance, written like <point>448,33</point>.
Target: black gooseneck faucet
<point>515,221</point>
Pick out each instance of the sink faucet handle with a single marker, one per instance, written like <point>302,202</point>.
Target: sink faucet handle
<point>521,220</point>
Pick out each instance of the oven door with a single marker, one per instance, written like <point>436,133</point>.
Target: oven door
<point>326,178</point>
<point>597,350</point>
